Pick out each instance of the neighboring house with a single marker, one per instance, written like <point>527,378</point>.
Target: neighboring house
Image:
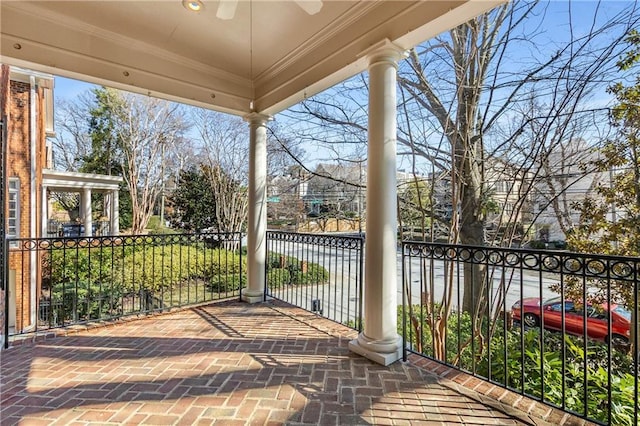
<point>332,192</point>
<point>29,119</point>
<point>339,193</point>
<point>415,198</point>
<point>507,202</point>
<point>508,198</point>
<point>285,192</point>
<point>562,182</point>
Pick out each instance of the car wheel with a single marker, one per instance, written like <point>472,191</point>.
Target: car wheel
<point>618,340</point>
<point>531,320</point>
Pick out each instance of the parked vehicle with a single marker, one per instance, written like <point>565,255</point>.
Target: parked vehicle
<point>532,311</point>
<point>71,230</point>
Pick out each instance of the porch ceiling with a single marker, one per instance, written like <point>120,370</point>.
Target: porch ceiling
<point>271,52</point>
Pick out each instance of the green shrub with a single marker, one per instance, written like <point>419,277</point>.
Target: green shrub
<point>155,226</point>
<point>157,267</point>
<point>164,266</point>
<point>300,272</point>
<point>523,354</point>
<point>278,278</point>
<point>162,231</point>
<point>82,264</point>
<point>458,335</point>
<point>147,265</point>
<point>276,260</point>
<point>354,324</point>
<point>223,262</point>
<point>226,283</point>
<point>225,270</point>
<point>314,274</point>
<point>538,245</point>
<point>83,301</point>
<point>79,284</point>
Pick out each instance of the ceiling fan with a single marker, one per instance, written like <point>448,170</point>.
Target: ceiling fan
<point>227,8</point>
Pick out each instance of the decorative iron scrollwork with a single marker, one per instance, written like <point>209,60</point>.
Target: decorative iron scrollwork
<point>570,264</point>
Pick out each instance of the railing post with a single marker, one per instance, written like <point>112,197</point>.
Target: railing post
<point>240,266</point>
<point>5,279</point>
<point>5,276</point>
<point>266,267</point>
<point>4,247</point>
<point>404,304</point>
<point>361,283</point>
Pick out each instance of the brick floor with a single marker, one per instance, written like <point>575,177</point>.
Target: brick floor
<point>227,363</point>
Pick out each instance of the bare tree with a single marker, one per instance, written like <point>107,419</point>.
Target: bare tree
<point>488,114</point>
<point>72,142</point>
<point>481,95</point>
<point>225,149</point>
<point>149,133</point>
<point>108,131</point>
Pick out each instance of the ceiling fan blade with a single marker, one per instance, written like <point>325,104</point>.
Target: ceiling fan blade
<point>310,6</point>
<point>227,9</point>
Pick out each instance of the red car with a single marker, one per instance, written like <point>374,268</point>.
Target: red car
<point>597,319</point>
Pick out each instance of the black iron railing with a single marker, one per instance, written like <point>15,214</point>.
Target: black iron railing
<point>58,282</point>
<point>555,326</point>
<point>319,273</point>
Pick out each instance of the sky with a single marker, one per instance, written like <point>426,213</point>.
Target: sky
<point>68,89</point>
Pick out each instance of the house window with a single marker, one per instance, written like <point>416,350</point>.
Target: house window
<point>503,186</point>
<point>13,222</point>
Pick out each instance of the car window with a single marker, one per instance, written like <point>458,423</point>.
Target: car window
<point>557,307</point>
<point>622,312</point>
<point>598,314</point>
<point>579,310</point>
<point>569,307</point>
<point>549,302</point>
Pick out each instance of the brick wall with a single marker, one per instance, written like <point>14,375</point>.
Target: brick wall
<point>18,148</point>
<point>19,164</point>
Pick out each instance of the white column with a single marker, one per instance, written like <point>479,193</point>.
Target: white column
<point>86,212</point>
<point>114,214</point>
<point>257,219</point>
<point>379,340</point>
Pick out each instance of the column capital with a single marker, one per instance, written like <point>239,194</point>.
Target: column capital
<point>257,118</point>
<point>384,51</point>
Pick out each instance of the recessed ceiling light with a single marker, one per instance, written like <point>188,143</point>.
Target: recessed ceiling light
<point>193,5</point>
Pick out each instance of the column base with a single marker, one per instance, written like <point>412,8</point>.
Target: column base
<point>382,352</point>
<point>252,297</point>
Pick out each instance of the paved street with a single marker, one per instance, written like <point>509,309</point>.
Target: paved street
<point>340,299</point>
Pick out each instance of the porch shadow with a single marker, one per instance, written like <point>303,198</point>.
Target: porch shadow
<point>226,362</point>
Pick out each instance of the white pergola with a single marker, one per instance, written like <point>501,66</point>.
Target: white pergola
<point>85,184</point>
<point>252,58</point>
